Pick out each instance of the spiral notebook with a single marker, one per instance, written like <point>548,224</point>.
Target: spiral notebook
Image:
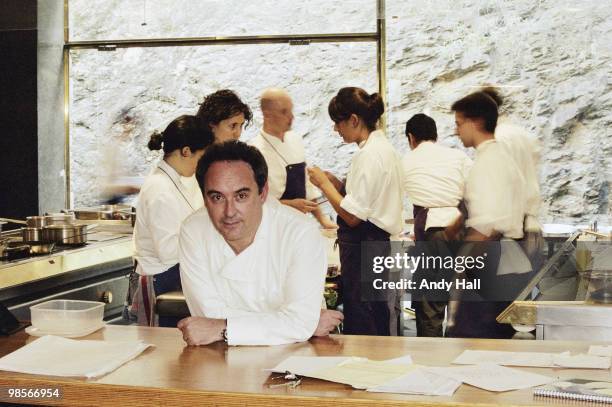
<point>578,389</point>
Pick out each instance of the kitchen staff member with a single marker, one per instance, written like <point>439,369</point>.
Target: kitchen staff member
<point>284,154</point>
<point>169,194</point>
<point>369,207</point>
<point>225,114</point>
<point>525,150</point>
<point>434,180</point>
<point>252,269</point>
<point>496,202</point>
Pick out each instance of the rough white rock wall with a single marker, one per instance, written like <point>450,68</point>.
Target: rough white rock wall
<point>552,57</point>
<point>554,61</point>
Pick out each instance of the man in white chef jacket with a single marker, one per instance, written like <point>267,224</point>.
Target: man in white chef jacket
<point>284,153</point>
<point>252,269</point>
<point>434,180</point>
<point>496,204</point>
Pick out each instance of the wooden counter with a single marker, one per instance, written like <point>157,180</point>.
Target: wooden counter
<point>172,374</point>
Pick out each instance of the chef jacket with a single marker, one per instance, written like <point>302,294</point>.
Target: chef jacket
<point>292,150</point>
<point>434,178</point>
<point>374,184</point>
<point>270,293</point>
<point>165,200</point>
<point>525,151</point>
<point>495,192</point>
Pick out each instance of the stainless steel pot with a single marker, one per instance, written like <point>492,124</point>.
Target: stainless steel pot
<point>60,219</point>
<point>36,221</point>
<point>104,212</point>
<point>32,234</point>
<point>42,221</point>
<point>65,234</point>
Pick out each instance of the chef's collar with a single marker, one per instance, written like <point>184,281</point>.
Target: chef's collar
<point>375,133</point>
<point>272,138</point>
<point>176,177</point>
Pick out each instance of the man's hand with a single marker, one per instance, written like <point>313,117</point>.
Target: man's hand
<point>201,330</point>
<point>302,205</point>
<point>328,322</point>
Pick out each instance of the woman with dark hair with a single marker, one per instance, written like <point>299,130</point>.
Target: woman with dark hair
<point>369,207</point>
<point>224,114</point>
<point>169,194</point>
<point>495,200</point>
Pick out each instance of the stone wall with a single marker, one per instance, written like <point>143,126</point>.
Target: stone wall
<point>552,60</point>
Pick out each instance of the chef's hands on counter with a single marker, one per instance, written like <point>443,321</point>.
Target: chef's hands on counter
<point>328,322</point>
<point>201,330</point>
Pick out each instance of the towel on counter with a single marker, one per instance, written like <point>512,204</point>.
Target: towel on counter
<point>56,356</point>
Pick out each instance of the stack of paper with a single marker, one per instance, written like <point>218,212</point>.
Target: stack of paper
<point>390,376</point>
<point>57,356</point>
<point>362,374</point>
<point>401,376</point>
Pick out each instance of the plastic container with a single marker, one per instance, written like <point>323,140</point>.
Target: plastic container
<point>67,317</point>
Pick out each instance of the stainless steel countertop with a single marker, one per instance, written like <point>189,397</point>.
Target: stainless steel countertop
<point>102,247</point>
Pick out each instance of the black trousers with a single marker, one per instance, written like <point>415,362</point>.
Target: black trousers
<point>430,305</point>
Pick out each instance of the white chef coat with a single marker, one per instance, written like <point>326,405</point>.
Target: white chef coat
<point>292,151</point>
<point>165,200</point>
<point>434,178</point>
<point>374,184</point>
<point>271,292</point>
<point>495,192</point>
<point>525,151</point>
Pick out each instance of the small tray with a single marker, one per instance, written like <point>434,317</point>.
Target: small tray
<point>33,331</point>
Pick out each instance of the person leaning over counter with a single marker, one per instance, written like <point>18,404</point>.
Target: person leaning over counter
<point>369,207</point>
<point>225,114</point>
<point>284,153</point>
<point>169,194</point>
<point>252,269</point>
<point>434,179</point>
<point>496,207</point>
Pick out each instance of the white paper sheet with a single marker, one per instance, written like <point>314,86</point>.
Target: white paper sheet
<point>57,356</point>
<point>582,361</point>
<point>533,359</point>
<point>419,381</point>
<point>597,350</point>
<point>363,374</point>
<point>492,377</point>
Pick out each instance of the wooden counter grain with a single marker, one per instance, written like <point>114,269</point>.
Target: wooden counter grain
<point>172,374</point>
